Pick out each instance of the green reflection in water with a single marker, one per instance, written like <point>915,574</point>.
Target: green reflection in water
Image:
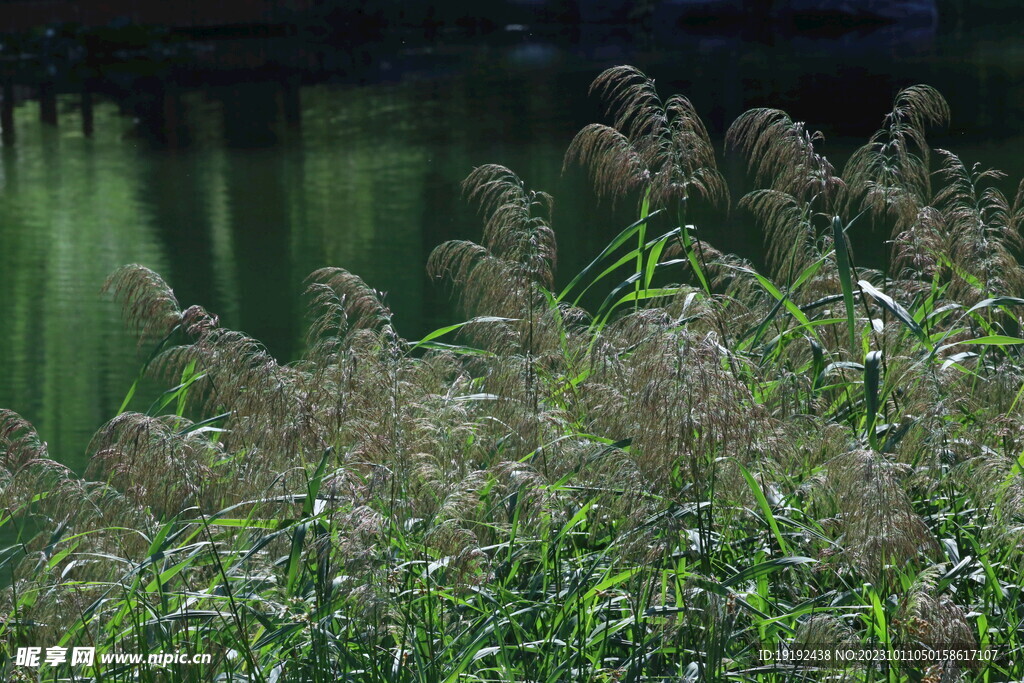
<point>70,211</point>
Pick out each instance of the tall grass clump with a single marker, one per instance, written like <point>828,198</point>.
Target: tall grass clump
<point>711,463</point>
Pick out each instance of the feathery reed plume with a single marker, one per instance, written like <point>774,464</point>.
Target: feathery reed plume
<point>802,193</point>
<point>236,375</point>
<point>506,277</point>
<point>47,506</point>
<point>25,466</point>
<point>890,175</point>
<point>654,146</point>
<point>981,229</point>
<point>994,477</point>
<point>511,228</point>
<point>930,618</point>
<point>26,471</point>
<point>918,249</point>
<point>20,445</point>
<point>827,632</point>
<point>157,461</point>
<point>518,253</point>
<point>341,299</point>
<point>881,530</point>
<point>150,306</point>
<point>781,152</point>
<point>669,390</point>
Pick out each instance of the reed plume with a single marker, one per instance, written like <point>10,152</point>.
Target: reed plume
<point>982,229</point>
<point>881,531</point>
<point>149,304</point>
<point>658,148</point>
<point>891,175</point>
<point>803,191</point>
<point>501,277</point>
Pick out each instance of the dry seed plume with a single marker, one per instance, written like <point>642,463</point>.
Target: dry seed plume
<point>150,306</point>
<point>803,191</point>
<point>654,147</point>
<point>891,174</point>
<point>501,276</point>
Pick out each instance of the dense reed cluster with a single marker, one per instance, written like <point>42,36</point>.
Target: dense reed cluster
<point>711,462</point>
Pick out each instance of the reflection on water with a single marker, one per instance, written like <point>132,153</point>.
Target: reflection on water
<point>70,212</point>
<point>235,194</point>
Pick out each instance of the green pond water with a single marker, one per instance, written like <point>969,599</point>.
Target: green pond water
<point>245,205</point>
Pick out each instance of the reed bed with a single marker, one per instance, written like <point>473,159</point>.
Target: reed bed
<point>711,462</point>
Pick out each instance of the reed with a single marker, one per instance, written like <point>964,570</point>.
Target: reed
<point>658,488</point>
